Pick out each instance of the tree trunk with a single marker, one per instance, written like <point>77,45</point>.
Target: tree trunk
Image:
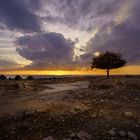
<point>107,73</point>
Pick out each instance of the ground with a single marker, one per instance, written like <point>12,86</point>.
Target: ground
<point>78,108</point>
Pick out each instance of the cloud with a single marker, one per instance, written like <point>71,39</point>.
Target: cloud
<point>7,64</point>
<point>123,38</point>
<point>18,15</point>
<point>111,25</point>
<point>80,14</point>
<point>47,50</point>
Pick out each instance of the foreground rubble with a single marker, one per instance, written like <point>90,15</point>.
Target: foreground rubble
<point>105,110</point>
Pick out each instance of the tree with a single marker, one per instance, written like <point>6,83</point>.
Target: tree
<point>17,77</point>
<point>2,77</point>
<point>108,60</point>
<point>30,77</point>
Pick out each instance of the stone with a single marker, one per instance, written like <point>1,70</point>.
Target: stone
<point>132,136</point>
<point>29,112</point>
<point>139,121</point>
<point>20,114</point>
<point>94,100</point>
<point>83,135</point>
<point>72,135</point>
<point>49,138</point>
<point>136,99</point>
<point>112,93</point>
<point>137,126</point>
<point>114,128</point>
<point>111,132</point>
<point>125,98</point>
<point>102,101</point>
<point>128,114</point>
<point>12,132</point>
<point>93,115</point>
<point>122,133</point>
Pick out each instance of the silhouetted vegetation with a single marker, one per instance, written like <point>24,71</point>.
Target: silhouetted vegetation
<point>10,78</point>
<point>108,60</point>
<point>17,77</point>
<point>2,77</point>
<point>30,77</point>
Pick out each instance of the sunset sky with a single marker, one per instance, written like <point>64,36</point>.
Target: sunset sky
<point>60,37</point>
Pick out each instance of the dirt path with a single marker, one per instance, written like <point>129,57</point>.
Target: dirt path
<point>54,94</point>
<point>58,92</point>
<point>53,88</point>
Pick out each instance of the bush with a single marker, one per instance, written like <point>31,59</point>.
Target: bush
<point>30,77</point>
<point>2,77</point>
<point>18,77</point>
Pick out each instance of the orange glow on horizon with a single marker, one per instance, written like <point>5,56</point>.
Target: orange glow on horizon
<point>131,70</point>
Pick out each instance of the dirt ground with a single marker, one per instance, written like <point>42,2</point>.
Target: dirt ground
<point>82,108</point>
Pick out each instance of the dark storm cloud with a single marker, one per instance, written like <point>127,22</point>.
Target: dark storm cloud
<point>53,50</point>
<point>46,50</point>
<point>18,15</point>
<point>123,38</point>
<point>84,14</point>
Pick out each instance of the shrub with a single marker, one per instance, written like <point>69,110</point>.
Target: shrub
<point>17,77</point>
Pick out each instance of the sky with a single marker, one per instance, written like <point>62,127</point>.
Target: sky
<point>61,36</point>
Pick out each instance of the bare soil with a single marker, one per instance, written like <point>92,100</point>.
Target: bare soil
<point>36,109</point>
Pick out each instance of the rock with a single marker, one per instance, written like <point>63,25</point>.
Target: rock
<point>93,115</point>
<point>113,129</point>
<point>112,93</point>
<point>139,121</point>
<point>12,132</point>
<point>137,126</point>
<point>72,135</point>
<point>128,114</point>
<point>136,99</point>
<point>20,114</point>
<point>80,96</point>
<point>49,138</point>
<point>102,101</point>
<point>101,113</point>
<point>132,136</point>
<point>94,100</point>
<point>122,133</point>
<point>29,112</point>
<point>111,132</point>
<point>119,83</point>
<point>125,98</point>
<point>83,135</point>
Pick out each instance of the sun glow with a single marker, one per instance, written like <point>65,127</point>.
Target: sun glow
<point>133,70</point>
<point>97,53</point>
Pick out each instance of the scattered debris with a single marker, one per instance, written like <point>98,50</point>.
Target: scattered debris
<point>132,136</point>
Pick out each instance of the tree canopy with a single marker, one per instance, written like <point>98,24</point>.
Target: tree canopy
<point>108,60</point>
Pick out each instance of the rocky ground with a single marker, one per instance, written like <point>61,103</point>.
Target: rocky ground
<point>105,109</point>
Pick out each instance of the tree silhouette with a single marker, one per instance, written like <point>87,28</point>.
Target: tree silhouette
<point>29,77</point>
<point>108,60</point>
<point>3,77</point>
<point>17,77</point>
